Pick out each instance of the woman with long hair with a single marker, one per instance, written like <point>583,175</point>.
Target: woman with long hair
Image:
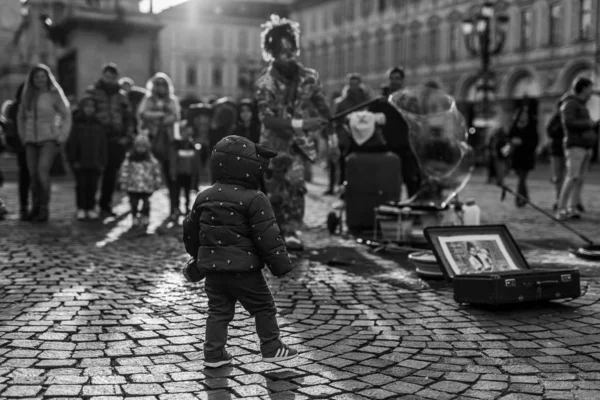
<point>159,115</point>
<point>44,124</point>
<point>248,124</point>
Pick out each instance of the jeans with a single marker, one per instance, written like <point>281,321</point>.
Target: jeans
<point>116,155</point>
<point>40,157</point>
<point>251,290</point>
<point>578,160</point>
<point>182,182</point>
<point>24,180</point>
<point>134,201</point>
<point>559,171</point>
<point>86,185</point>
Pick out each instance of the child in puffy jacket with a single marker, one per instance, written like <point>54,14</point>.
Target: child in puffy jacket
<point>140,176</point>
<point>233,234</point>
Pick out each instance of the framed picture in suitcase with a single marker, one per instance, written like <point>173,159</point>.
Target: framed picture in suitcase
<point>486,266</point>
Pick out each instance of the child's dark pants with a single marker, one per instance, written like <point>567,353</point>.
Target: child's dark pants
<point>182,182</point>
<point>135,199</point>
<point>224,289</point>
<point>86,185</point>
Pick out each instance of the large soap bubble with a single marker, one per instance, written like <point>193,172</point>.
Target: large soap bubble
<point>438,137</point>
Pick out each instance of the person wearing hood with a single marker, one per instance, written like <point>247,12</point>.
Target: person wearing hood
<point>87,153</point>
<point>232,234</point>
<point>353,94</point>
<point>44,123</point>
<point>159,115</point>
<point>396,76</point>
<point>116,115</point>
<point>580,135</point>
<point>293,109</point>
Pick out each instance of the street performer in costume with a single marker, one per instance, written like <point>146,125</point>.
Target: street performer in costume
<point>293,109</point>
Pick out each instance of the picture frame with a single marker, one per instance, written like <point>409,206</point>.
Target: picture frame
<point>481,249</point>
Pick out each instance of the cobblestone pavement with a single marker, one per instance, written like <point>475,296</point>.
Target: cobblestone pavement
<point>95,311</point>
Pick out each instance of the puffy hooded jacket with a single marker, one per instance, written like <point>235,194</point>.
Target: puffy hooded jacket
<point>577,123</point>
<point>232,227</point>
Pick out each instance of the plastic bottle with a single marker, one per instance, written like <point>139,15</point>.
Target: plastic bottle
<point>471,213</point>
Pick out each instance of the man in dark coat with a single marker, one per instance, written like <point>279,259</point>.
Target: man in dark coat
<point>580,135</point>
<point>233,234</point>
<point>396,77</point>
<point>353,94</point>
<point>116,115</point>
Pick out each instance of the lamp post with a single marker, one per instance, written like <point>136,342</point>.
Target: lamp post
<point>485,35</point>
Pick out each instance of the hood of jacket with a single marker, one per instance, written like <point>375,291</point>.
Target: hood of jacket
<point>237,160</point>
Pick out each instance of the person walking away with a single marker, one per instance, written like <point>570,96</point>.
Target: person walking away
<point>580,134</point>
<point>354,93</point>
<point>159,114</point>
<point>232,233</point>
<point>116,115</point>
<point>44,124</point>
<point>185,168</point>
<point>292,108</point>
<point>248,124</point>
<point>14,141</point>
<point>140,176</point>
<point>524,140</point>
<point>87,153</point>
<point>556,136</point>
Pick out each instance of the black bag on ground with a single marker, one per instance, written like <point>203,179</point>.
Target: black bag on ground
<point>372,179</point>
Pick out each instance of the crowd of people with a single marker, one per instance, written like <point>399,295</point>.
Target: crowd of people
<point>106,134</point>
<point>571,133</point>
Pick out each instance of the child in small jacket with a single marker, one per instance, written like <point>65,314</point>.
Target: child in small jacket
<point>87,153</point>
<point>233,234</point>
<point>140,176</point>
<point>185,168</point>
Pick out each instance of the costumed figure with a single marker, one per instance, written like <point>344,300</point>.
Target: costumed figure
<point>292,109</point>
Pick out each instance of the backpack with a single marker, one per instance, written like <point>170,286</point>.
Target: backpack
<point>554,130</point>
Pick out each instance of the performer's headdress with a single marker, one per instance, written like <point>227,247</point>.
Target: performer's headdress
<point>274,31</point>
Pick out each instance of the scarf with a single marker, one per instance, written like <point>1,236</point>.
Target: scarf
<point>289,70</point>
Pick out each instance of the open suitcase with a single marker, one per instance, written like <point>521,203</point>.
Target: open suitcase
<point>487,267</point>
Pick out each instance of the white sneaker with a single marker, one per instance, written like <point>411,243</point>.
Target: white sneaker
<point>92,214</point>
<point>80,215</point>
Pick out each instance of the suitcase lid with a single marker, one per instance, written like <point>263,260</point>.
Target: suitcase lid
<point>477,249</point>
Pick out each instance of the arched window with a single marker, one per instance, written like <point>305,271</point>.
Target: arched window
<point>555,24</point>
<point>191,75</point>
<point>585,19</point>
<point>398,45</point>
<point>434,44</point>
<point>217,76</point>
<point>454,41</point>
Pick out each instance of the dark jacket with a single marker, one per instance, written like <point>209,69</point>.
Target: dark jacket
<point>577,123</point>
<point>232,227</point>
<point>185,158</point>
<point>251,132</point>
<point>114,110</point>
<point>87,145</point>
<point>523,155</point>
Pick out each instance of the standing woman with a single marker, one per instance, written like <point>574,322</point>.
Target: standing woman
<point>159,114</point>
<point>44,123</point>
<point>524,140</point>
<point>248,124</point>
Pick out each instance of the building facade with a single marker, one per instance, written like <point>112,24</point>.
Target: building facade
<point>212,48</point>
<point>84,35</point>
<point>549,43</point>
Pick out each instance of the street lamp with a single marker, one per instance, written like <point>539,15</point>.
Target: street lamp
<point>485,35</point>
